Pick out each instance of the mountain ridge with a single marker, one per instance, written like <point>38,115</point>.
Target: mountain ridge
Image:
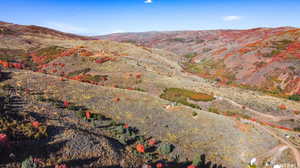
<point>261,47</point>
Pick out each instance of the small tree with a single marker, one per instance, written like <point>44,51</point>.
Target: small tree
<point>29,163</point>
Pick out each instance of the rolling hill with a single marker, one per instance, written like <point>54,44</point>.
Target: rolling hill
<point>87,91</point>
<point>264,59</point>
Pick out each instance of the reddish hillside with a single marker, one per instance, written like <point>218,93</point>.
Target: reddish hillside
<point>262,58</point>
<point>16,30</point>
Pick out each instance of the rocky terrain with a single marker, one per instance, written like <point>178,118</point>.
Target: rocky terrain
<point>111,104</point>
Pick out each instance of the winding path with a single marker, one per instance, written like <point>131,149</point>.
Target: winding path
<point>260,114</point>
<point>275,152</point>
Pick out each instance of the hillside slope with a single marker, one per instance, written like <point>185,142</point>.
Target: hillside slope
<point>262,58</point>
<point>147,89</point>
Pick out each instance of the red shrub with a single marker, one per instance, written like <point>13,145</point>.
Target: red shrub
<point>38,161</point>
<point>117,99</point>
<point>3,139</point>
<point>27,91</point>
<point>88,115</point>
<point>78,77</point>
<point>66,104</point>
<point>282,107</point>
<point>85,53</point>
<point>159,165</point>
<point>102,60</point>
<point>138,75</point>
<point>17,65</point>
<point>192,166</point>
<point>61,166</point>
<point>36,124</point>
<point>126,126</point>
<point>152,142</point>
<point>140,148</point>
<point>5,64</point>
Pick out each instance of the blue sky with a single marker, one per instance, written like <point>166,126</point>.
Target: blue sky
<point>95,17</point>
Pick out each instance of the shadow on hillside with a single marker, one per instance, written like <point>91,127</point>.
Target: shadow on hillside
<point>4,76</point>
<point>208,164</point>
<point>203,163</point>
<point>19,146</point>
<point>80,162</point>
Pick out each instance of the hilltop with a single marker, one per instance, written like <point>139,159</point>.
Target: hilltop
<point>128,87</point>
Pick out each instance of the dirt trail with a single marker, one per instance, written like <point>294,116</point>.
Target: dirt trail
<point>266,117</point>
<point>282,140</point>
<point>260,114</point>
<point>275,152</point>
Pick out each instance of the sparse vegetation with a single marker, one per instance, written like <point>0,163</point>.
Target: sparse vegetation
<point>197,160</point>
<point>182,40</point>
<point>45,55</point>
<point>13,55</point>
<point>282,44</point>
<point>194,114</point>
<point>260,64</point>
<point>29,163</point>
<point>271,54</point>
<point>165,148</point>
<point>78,72</point>
<point>214,110</point>
<point>211,69</point>
<point>130,41</point>
<point>94,78</point>
<point>6,31</point>
<point>182,96</point>
<point>297,129</point>
<point>295,97</point>
<point>190,55</point>
<point>22,130</point>
<point>205,50</point>
<point>67,119</point>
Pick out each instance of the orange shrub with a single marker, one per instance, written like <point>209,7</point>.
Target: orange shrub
<point>282,107</point>
<point>140,148</point>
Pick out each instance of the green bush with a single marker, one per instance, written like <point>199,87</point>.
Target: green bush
<point>165,148</point>
<point>125,135</point>
<point>297,129</point>
<point>29,163</point>
<point>49,52</point>
<point>214,110</point>
<point>295,97</point>
<point>194,114</point>
<point>182,40</point>
<point>197,160</point>
<point>182,95</point>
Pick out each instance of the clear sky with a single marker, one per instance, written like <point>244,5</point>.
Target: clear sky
<point>95,17</point>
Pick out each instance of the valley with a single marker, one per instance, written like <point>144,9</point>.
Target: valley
<point>152,82</point>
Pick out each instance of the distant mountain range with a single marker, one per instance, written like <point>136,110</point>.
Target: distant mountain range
<point>267,59</point>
